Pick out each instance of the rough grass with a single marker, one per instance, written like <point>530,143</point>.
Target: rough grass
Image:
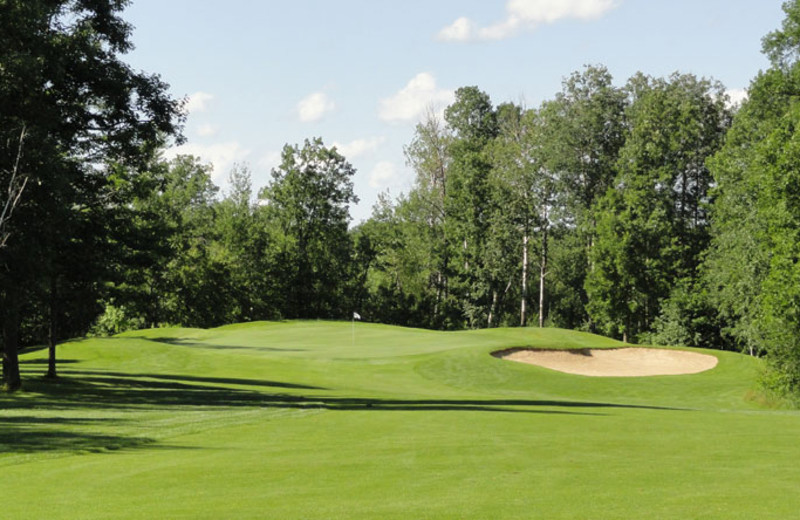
<point>307,420</point>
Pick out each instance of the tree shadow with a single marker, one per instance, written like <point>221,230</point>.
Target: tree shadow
<point>192,379</point>
<point>35,434</point>
<point>208,346</point>
<point>44,361</point>
<point>31,419</point>
<point>42,430</point>
<point>19,438</point>
<point>117,390</point>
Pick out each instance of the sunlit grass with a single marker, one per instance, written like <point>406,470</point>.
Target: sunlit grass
<point>335,420</point>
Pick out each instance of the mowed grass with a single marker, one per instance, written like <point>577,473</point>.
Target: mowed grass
<point>307,420</point>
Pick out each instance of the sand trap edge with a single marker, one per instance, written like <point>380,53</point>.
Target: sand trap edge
<point>613,362</point>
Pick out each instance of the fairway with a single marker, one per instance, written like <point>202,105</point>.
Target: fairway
<point>332,420</point>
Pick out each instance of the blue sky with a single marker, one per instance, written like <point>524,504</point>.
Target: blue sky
<point>358,73</point>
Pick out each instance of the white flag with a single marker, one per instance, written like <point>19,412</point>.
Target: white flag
<point>356,316</point>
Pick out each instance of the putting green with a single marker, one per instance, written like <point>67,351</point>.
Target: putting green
<point>319,420</point>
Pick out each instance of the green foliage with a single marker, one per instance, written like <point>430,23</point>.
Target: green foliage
<point>752,269</point>
<point>403,281</point>
<point>420,227</point>
<point>468,202</point>
<point>596,202</point>
<point>565,279</point>
<point>688,318</point>
<point>782,46</point>
<point>582,131</point>
<point>307,203</point>
<point>178,277</point>
<point>114,320</point>
<point>652,228</point>
<point>525,196</point>
<point>80,109</point>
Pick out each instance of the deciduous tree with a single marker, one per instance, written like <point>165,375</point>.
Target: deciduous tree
<point>64,88</point>
<point>308,203</point>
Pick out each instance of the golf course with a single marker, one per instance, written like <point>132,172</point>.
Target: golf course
<point>327,420</point>
<point>496,260</point>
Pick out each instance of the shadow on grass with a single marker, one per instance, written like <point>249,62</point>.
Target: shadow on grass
<point>147,380</point>
<point>25,435</point>
<point>40,429</point>
<point>45,361</point>
<point>195,344</point>
<point>116,390</point>
<point>6,422</point>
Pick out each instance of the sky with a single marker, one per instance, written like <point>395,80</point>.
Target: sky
<point>360,74</point>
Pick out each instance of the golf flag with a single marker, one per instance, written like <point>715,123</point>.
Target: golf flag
<point>356,316</point>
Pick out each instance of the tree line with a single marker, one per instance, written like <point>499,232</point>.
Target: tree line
<point>590,211</point>
<point>652,212</point>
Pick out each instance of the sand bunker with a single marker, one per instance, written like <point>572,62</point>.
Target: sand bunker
<point>618,362</point>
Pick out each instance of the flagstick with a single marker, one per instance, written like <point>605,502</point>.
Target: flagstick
<point>356,316</point>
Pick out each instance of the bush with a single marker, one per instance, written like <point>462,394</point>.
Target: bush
<point>688,319</point>
<point>115,319</point>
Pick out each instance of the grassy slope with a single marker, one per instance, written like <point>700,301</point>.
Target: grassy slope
<point>299,420</point>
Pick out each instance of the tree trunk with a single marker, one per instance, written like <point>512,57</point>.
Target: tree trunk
<point>543,268</point>
<point>590,246</point>
<point>523,318</point>
<point>542,274</point>
<point>438,297</point>
<point>52,332</point>
<point>11,377</point>
<point>16,185</point>
<point>491,309</point>
<point>444,273</point>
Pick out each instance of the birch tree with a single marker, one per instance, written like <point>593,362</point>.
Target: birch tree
<point>527,192</point>
<point>15,180</point>
<point>429,156</point>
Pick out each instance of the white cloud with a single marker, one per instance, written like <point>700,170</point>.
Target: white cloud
<point>314,106</point>
<point>358,147</point>
<point>382,175</point>
<point>414,99</point>
<point>461,30</point>
<point>198,102</point>
<point>222,156</point>
<point>206,130</point>
<point>736,96</point>
<point>499,31</point>
<point>526,14</point>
